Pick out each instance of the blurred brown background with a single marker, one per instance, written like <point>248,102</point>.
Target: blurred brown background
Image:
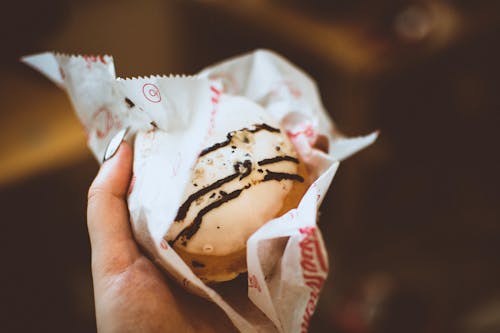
<point>412,224</point>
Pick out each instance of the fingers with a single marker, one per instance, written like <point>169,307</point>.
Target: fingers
<point>113,247</point>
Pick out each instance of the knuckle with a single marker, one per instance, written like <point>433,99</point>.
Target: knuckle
<point>95,194</point>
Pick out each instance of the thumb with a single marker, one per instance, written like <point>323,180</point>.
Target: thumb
<point>113,246</point>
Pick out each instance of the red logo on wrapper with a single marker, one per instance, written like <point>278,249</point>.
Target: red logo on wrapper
<point>104,120</point>
<point>151,92</point>
<point>286,87</point>
<point>253,282</point>
<point>314,270</point>
<point>91,59</point>
<point>215,92</point>
<point>293,89</point>
<point>229,84</point>
<point>318,195</point>
<point>307,131</point>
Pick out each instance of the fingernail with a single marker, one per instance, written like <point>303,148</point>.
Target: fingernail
<point>114,144</point>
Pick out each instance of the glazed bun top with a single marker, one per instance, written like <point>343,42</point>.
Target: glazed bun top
<point>239,182</point>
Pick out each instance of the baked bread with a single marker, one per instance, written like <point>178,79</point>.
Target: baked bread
<point>248,174</point>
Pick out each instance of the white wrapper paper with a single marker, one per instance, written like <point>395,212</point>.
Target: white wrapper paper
<point>169,120</point>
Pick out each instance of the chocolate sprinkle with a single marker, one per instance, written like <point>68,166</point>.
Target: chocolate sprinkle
<point>197,264</point>
<point>130,104</point>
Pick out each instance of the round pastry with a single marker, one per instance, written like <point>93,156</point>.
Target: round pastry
<point>248,174</point>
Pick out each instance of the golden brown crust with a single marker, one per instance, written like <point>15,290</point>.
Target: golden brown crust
<point>298,190</point>
<point>211,268</point>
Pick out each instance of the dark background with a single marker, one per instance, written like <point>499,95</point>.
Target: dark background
<point>412,224</point>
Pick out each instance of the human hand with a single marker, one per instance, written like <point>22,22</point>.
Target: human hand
<point>131,294</point>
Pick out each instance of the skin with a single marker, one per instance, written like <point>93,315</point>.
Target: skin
<point>131,293</point>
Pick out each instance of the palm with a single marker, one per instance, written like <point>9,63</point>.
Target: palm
<point>141,298</point>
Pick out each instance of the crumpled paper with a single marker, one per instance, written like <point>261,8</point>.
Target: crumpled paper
<point>168,119</point>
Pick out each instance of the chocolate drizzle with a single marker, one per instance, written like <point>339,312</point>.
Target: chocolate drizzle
<point>243,169</point>
<point>271,175</point>
<point>247,168</point>
<point>257,128</point>
<point>191,230</point>
<point>278,159</point>
<point>195,225</point>
<point>217,145</point>
<point>265,127</point>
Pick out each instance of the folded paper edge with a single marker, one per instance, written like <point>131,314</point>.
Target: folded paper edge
<point>160,76</point>
<point>47,64</point>
<point>343,148</point>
